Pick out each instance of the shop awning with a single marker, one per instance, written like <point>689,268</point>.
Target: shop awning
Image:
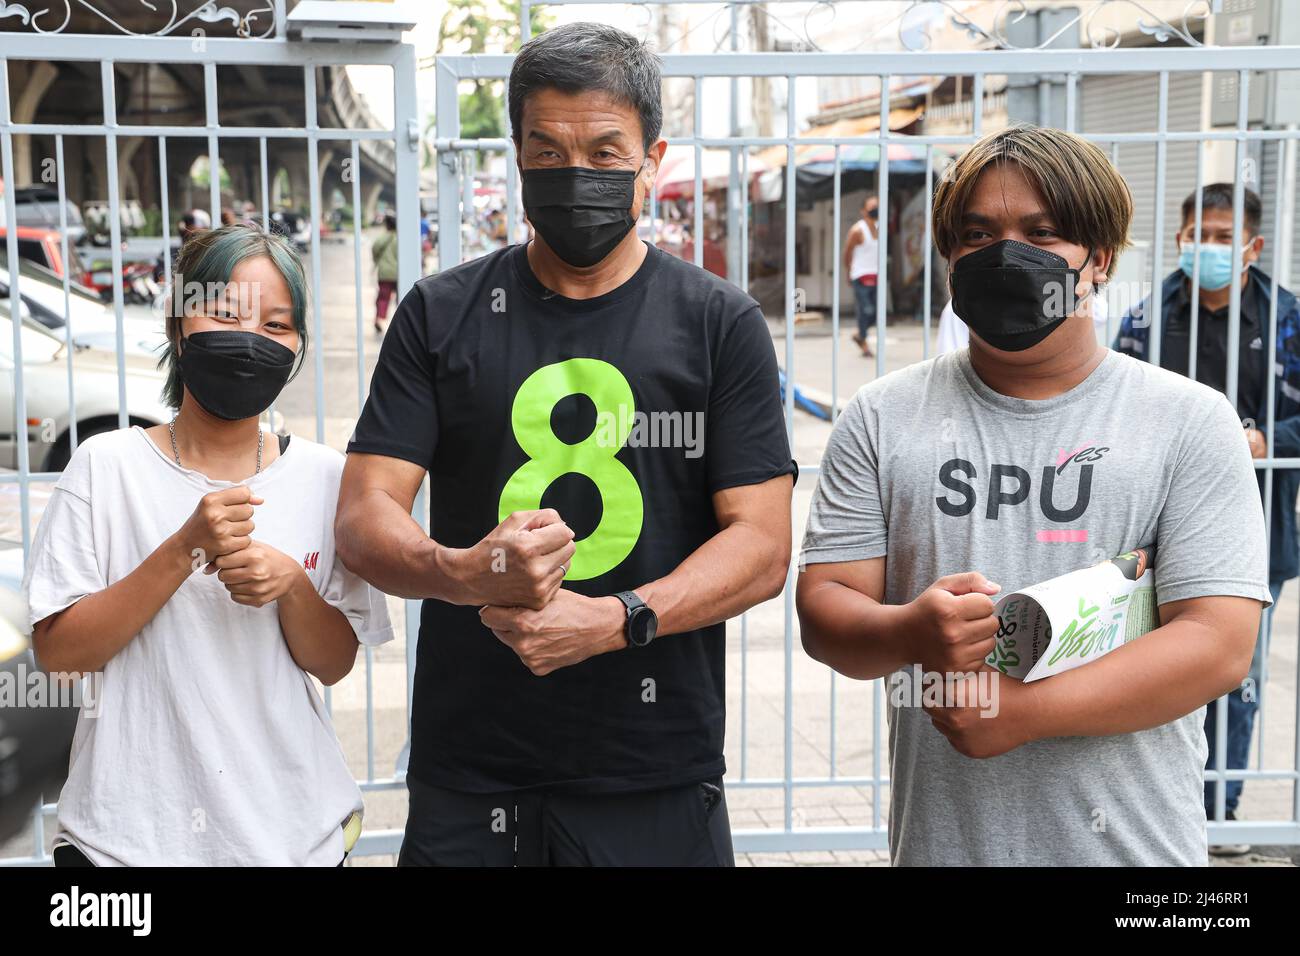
<point>677,171</point>
<point>811,156</point>
<point>814,160</point>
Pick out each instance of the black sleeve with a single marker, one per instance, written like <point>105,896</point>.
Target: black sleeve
<point>745,431</point>
<point>400,419</point>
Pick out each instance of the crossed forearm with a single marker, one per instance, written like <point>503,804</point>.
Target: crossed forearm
<point>737,568</point>
<point>850,632</point>
<point>379,540</point>
<point>1164,675</point>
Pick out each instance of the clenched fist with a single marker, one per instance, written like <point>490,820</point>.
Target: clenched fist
<point>520,563</point>
<point>258,574</point>
<point>222,523</point>
<point>954,624</point>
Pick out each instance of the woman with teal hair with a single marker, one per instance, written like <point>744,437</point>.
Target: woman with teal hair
<point>190,568</point>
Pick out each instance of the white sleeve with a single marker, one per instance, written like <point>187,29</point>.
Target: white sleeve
<point>365,607</point>
<point>63,566</point>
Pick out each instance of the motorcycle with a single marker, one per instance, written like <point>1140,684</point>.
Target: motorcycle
<point>139,286</point>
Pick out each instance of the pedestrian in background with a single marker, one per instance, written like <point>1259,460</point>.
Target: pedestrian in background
<point>384,254</point>
<point>861,252</point>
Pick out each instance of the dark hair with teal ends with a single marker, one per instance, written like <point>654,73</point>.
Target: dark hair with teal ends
<point>209,257</point>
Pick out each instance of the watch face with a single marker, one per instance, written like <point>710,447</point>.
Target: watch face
<point>642,627</point>
<point>651,625</point>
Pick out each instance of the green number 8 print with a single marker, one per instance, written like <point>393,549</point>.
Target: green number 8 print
<point>549,457</point>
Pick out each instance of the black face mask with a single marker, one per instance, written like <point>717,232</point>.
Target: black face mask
<point>1013,295</point>
<point>234,374</point>
<point>582,214</point>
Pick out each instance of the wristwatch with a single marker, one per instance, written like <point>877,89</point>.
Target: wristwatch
<point>642,623</point>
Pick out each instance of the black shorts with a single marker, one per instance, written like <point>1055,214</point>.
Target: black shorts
<point>678,826</point>
<point>65,854</point>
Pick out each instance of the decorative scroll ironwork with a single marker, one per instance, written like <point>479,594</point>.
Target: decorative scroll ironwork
<point>257,23</point>
<point>912,23</point>
<point>910,27</point>
<point>1097,36</point>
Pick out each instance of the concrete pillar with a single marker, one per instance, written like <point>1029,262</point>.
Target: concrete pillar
<point>243,185</point>
<point>182,196</point>
<point>327,175</point>
<point>32,89</point>
<point>370,193</point>
<point>276,196</point>
<point>291,156</point>
<point>128,179</point>
<point>299,197</point>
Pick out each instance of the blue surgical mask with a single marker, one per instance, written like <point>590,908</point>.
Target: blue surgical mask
<point>1216,264</point>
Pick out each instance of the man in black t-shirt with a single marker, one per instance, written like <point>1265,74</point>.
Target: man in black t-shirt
<point>610,480</point>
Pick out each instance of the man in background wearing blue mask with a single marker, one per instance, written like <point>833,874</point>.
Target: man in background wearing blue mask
<point>1214,278</point>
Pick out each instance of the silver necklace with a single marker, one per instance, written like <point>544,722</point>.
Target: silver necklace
<point>176,452</point>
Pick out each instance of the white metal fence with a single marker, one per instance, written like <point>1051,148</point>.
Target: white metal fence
<point>455,206</point>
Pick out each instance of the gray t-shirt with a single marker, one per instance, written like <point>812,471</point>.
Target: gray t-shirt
<point>934,470</point>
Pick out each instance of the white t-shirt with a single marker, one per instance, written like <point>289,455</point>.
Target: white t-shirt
<point>209,745</point>
<point>953,332</point>
<point>866,254</point>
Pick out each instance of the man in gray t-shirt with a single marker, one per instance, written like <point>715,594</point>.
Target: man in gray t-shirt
<point>1005,464</point>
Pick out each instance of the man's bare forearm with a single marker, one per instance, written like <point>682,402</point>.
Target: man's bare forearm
<point>850,632</point>
<point>380,541</point>
<point>1160,677</point>
<point>737,568</point>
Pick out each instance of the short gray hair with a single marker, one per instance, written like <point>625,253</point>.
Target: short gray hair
<point>582,57</point>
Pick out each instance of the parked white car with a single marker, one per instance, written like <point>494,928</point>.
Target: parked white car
<point>93,322</point>
<point>45,383</point>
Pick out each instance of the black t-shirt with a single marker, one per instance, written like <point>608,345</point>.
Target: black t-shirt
<point>1212,346</point>
<point>634,407</point>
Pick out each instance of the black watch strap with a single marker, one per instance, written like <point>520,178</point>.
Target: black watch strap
<point>630,600</point>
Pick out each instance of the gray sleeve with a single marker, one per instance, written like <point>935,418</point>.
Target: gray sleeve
<point>1210,535</point>
<point>846,521</point>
